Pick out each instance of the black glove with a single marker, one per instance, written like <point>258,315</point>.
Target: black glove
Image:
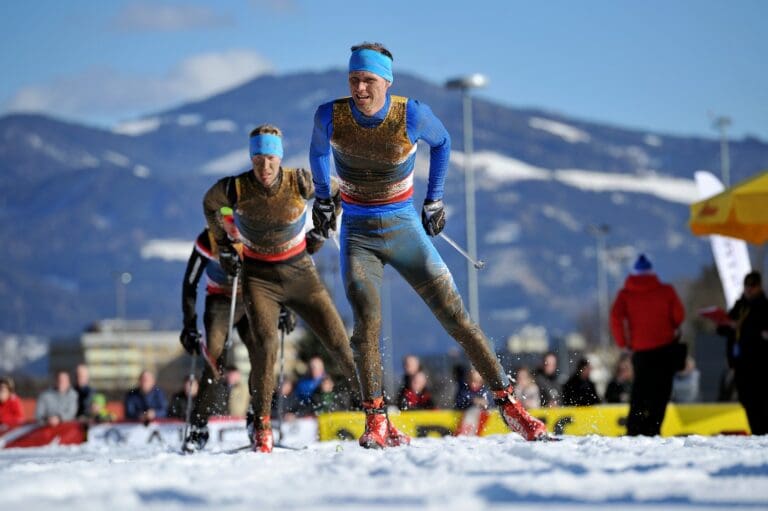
<point>314,240</point>
<point>287,320</point>
<point>324,216</point>
<point>190,336</point>
<point>229,259</point>
<point>433,217</point>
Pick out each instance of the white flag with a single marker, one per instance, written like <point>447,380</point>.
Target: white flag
<point>731,255</point>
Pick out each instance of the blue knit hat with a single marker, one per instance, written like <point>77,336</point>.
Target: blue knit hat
<point>642,266</point>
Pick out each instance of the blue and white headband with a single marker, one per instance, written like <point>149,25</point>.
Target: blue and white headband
<point>372,61</point>
<point>266,143</point>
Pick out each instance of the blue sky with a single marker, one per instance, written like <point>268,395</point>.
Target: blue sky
<point>655,65</point>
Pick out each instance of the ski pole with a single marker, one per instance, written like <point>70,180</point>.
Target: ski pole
<point>232,305</point>
<point>190,379</point>
<point>211,362</point>
<point>280,380</point>
<point>478,264</point>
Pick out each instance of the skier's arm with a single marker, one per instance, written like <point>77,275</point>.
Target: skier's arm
<point>195,269</point>
<point>307,185</point>
<point>320,151</point>
<point>422,124</point>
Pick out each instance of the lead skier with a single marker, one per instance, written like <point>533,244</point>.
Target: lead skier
<point>372,136</point>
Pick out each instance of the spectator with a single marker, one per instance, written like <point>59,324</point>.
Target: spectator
<point>11,411</point>
<point>84,390</point>
<point>308,384</point>
<point>416,396</point>
<point>58,404</point>
<point>238,396</point>
<point>685,385</point>
<point>99,412</point>
<point>619,388</point>
<point>526,390</point>
<point>748,350</point>
<point>411,366</point>
<point>145,402</point>
<point>473,392</point>
<point>646,318</point>
<point>289,404</point>
<point>326,399</point>
<point>579,389</point>
<point>178,406</point>
<point>547,377</point>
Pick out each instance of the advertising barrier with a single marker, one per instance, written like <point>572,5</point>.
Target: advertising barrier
<point>606,420</point>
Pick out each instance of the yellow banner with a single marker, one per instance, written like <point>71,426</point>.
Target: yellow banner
<point>606,420</point>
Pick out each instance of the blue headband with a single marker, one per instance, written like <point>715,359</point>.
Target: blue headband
<point>266,143</point>
<point>372,61</point>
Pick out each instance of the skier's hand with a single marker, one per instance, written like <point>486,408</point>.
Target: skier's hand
<point>229,259</point>
<point>287,320</point>
<point>314,240</point>
<point>433,217</point>
<point>190,336</point>
<point>324,216</point>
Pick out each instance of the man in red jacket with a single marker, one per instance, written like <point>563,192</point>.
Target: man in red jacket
<point>11,411</point>
<point>645,318</point>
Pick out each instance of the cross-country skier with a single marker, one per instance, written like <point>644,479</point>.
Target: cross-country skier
<point>218,300</point>
<point>269,204</point>
<point>373,136</point>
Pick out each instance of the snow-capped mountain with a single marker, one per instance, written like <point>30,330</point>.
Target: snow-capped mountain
<point>81,205</point>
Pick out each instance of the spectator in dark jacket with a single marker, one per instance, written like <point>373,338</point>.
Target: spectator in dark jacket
<point>178,407</point>
<point>645,318</point>
<point>416,396</point>
<point>285,402</point>
<point>546,378</point>
<point>11,411</point>
<point>145,402</point>
<point>748,351</point>
<point>473,392</point>
<point>84,391</point>
<point>619,388</point>
<point>579,389</point>
<point>58,404</point>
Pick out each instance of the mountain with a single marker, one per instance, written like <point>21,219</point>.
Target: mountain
<point>80,205</point>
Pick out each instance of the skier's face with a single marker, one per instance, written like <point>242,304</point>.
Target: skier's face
<point>368,91</point>
<point>266,168</point>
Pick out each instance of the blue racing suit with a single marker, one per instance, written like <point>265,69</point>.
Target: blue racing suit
<point>374,158</point>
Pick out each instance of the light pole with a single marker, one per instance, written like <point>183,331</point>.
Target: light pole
<point>122,279</point>
<point>721,124</point>
<point>465,84</point>
<point>600,232</point>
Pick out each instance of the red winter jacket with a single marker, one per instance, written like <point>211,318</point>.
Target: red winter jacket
<point>11,412</point>
<point>646,313</point>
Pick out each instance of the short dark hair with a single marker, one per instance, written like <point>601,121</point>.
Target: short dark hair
<point>266,128</point>
<point>375,47</point>
<point>8,382</point>
<point>753,278</point>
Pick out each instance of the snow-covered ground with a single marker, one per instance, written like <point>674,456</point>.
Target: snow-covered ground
<point>497,472</point>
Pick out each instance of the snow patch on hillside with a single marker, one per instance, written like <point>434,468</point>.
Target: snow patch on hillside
<point>117,159</point>
<point>671,189</point>
<point>230,163</point>
<point>137,127</point>
<point>187,120</point>
<point>167,250</point>
<point>221,126</point>
<point>567,132</point>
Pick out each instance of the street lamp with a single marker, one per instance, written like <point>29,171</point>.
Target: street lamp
<point>122,279</point>
<point>465,84</point>
<point>600,232</point>
<point>721,123</point>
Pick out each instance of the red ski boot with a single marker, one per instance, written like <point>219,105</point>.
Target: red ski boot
<point>396,438</point>
<point>517,418</point>
<point>376,425</point>
<point>262,435</point>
